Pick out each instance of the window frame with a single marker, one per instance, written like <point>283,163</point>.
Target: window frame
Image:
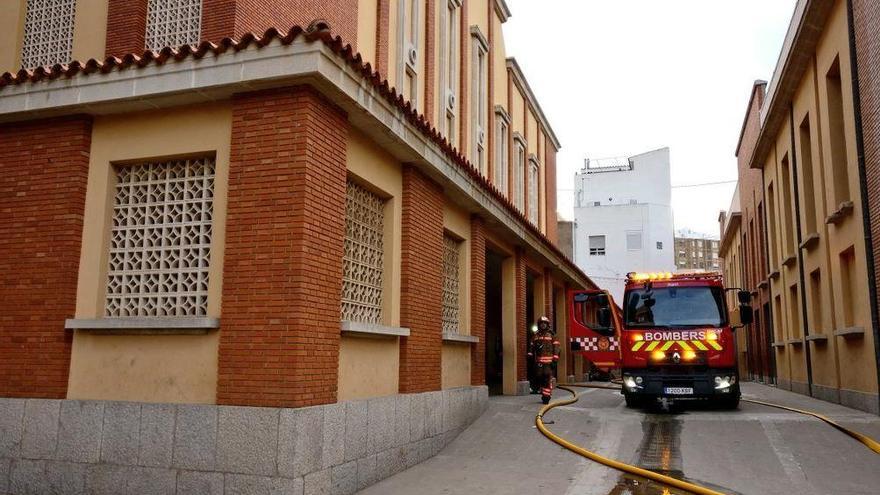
<point>479,94</point>
<point>520,148</point>
<point>596,251</point>
<point>501,176</point>
<point>533,198</point>
<point>450,67</point>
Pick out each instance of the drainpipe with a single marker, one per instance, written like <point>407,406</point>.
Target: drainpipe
<point>863,188</point>
<point>771,351</point>
<point>800,253</point>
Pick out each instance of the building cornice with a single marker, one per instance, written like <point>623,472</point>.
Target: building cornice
<point>502,10</point>
<point>193,75</point>
<point>523,84</point>
<point>803,35</point>
<point>759,85</point>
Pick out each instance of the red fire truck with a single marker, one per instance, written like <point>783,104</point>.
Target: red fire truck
<point>673,338</point>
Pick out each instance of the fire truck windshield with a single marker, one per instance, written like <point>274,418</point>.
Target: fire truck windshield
<point>669,307</point>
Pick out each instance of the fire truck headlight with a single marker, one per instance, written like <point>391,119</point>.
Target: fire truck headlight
<point>658,355</point>
<point>629,382</point>
<point>722,382</point>
<point>690,355</point>
<point>639,380</point>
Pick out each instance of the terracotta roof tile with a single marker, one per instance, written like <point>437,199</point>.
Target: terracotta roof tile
<point>317,32</point>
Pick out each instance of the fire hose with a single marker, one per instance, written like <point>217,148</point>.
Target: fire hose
<point>657,477</point>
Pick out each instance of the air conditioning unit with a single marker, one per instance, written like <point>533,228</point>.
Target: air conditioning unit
<point>481,137</point>
<point>450,100</point>
<point>412,56</point>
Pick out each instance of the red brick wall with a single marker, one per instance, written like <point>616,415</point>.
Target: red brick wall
<point>126,26</point>
<point>429,64</point>
<point>421,282</point>
<point>258,15</point>
<point>521,324</point>
<point>42,197</point>
<point>478,300</point>
<point>279,341</point>
<point>866,22</point>
<point>382,36</point>
<point>218,19</point>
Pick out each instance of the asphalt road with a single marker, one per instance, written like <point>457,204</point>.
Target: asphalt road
<point>754,450</point>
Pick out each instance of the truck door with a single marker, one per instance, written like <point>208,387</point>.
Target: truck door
<point>595,325</point>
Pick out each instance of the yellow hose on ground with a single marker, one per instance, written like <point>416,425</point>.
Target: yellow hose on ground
<point>868,441</point>
<point>620,466</point>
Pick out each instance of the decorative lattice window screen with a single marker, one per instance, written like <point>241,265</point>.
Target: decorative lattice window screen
<point>160,243</point>
<point>450,285</point>
<point>48,33</point>
<point>363,261</point>
<point>173,23</point>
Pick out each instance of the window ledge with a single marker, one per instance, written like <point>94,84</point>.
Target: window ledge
<point>844,210</point>
<point>810,241</point>
<point>780,345</point>
<point>850,333</point>
<point>789,260</point>
<point>817,338</point>
<point>763,284</point>
<point>774,275</point>
<point>457,337</point>
<point>158,325</point>
<point>794,342</point>
<point>357,329</point>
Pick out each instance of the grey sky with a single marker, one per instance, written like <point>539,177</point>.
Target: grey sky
<point>620,77</point>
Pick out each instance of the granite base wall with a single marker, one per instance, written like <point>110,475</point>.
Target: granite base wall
<point>102,447</point>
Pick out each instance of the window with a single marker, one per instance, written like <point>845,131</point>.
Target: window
<point>408,48</point>
<point>849,286</point>
<point>597,203</point>
<point>451,309</point>
<point>675,306</point>
<point>173,23</point>
<point>816,301</point>
<point>534,178</point>
<point>479,94</point>
<point>502,136</point>
<point>597,245</point>
<point>659,245</point>
<point>808,193</point>
<point>787,206</point>
<point>837,134</point>
<point>160,241</point>
<point>519,165</point>
<point>794,312</point>
<point>363,260</point>
<point>449,63</point>
<point>634,240</point>
<point>48,33</point>
<point>771,220</point>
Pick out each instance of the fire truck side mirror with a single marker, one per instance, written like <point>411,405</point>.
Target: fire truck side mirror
<point>603,317</point>
<point>745,314</point>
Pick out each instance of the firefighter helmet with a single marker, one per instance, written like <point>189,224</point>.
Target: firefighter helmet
<point>544,323</point>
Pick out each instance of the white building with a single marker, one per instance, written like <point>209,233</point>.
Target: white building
<point>623,218</point>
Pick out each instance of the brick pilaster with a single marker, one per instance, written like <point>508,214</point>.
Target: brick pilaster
<point>218,19</point>
<point>383,35</point>
<point>126,26</point>
<point>521,324</point>
<point>551,230</point>
<point>478,300</point>
<point>421,282</point>
<point>279,341</point>
<point>42,200</point>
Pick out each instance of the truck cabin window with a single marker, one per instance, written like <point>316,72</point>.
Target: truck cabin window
<point>669,307</point>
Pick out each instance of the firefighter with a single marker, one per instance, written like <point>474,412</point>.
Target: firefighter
<point>545,353</point>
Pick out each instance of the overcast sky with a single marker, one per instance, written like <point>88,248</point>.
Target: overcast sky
<point>620,77</point>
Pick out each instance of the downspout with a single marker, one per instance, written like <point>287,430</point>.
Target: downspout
<point>771,352</point>
<point>800,253</point>
<point>863,188</point>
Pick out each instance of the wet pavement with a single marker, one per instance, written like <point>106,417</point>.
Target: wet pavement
<point>754,450</point>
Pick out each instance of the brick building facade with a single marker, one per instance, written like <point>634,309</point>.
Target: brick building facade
<point>250,214</point>
<point>806,187</point>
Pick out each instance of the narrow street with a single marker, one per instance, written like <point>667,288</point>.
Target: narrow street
<point>755,450</point>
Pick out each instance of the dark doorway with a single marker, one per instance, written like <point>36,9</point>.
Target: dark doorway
<point>494,345</point>
<point>530,321</point>
<point>768,356</point>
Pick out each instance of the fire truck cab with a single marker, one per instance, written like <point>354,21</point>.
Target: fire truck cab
<point>674,334</point>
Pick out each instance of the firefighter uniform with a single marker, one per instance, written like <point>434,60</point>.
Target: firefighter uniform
<point>545,352</point>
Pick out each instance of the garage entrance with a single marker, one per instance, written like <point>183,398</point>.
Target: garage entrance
<point>494,324</point>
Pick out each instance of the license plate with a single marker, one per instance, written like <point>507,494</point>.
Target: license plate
<point>679,390</point>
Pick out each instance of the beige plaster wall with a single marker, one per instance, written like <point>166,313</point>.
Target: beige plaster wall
<point>456,365</point>
<point>155,368</point>
<point>377,170</point>
<point>12,14</point>
<point>90,29</point>
<point>366,35</point>
<point>368,367</point>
